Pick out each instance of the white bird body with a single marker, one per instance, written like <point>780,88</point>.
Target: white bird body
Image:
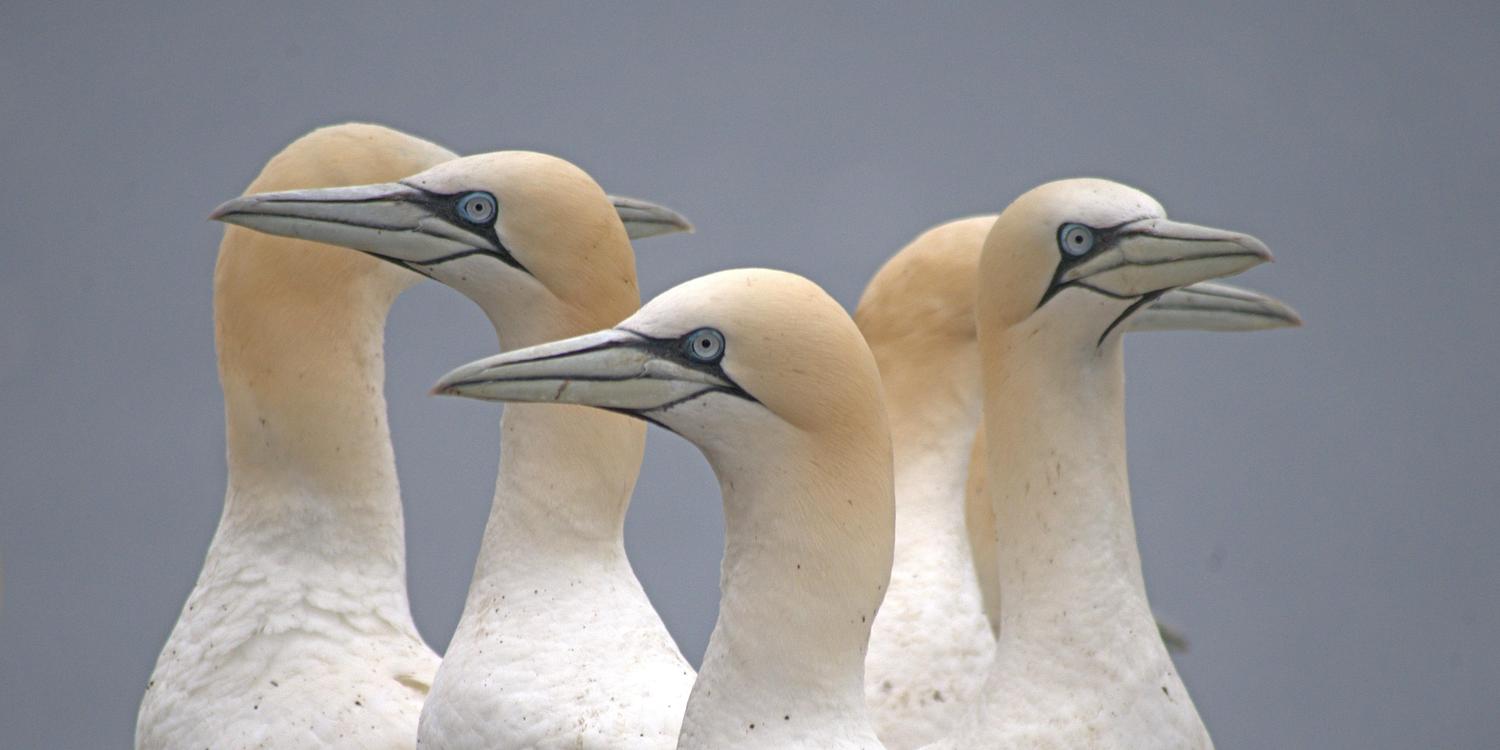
<point>934,639</point>
<point>764,373</point>
<point>787,409</point>
<point>558,645</point>
<point>1079,661</point>
<point>298,632</point>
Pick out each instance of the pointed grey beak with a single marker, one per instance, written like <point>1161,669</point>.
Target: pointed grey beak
<point>644,219</point>
<point>404,224</point>
<point>392,221</point>
<point>1156,254</point>
<point>1214,307</point>
<point>611,369</point>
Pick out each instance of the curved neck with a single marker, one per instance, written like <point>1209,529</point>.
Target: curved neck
<point>566,472</point>
<point>1055,424</point>
<point>565,481</point>
<point>301,361</point>
<point>935,407</point>
<point>806,562</point>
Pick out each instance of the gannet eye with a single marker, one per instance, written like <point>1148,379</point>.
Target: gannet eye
<point>704,345</point>
<point>477,208</point>
<point>1076,239</point>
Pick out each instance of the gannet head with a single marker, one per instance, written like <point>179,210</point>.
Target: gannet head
<point>508,229</point>
<point>725,360</point>
<point>1087,254</point>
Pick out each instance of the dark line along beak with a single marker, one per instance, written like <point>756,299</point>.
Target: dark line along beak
<point>1208,306</point>
<point>1155,255</point>
<point>612,369</point>
<point>392,221</point>
<point>644,219</point>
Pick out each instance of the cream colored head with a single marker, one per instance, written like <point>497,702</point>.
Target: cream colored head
<point>728,360</point>
<point>516,231</point>
<point>1086,254</point>
<point>921,300</point>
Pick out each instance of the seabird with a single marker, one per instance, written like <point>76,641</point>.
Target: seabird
<point>558,645</point>
<point>298,632</point>
<point>1078,661</point>
<point>773,382</point>
<point>932,643</point>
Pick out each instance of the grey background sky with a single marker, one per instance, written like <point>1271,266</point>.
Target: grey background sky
<point>1316,508</point>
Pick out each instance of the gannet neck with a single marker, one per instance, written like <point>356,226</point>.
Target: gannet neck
<point>1078,659</point>
<point>806,561</point>
<point>301,362</point>
<point>769,377</point>
<point>935,406</point>
<point>565,481</point>
<point>558,644</point>
<point>1062,498</point>
<point>931,644</point>
<point>298,630</point>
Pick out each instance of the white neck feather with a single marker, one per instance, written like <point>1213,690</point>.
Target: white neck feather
<point>806,560</point>
<point>931,645</point>
<point>566,472</point>
<point>565,481</point>
<point>934,410</point>
<point>1078,660</point>
<point>1061,493</point>
<point>558,643</point>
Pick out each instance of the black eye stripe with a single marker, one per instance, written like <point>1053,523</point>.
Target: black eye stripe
<point>445,206</point>
<point>676,350</point>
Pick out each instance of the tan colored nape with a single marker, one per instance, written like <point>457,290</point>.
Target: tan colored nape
<point>926,290</point>
<point>563,228</point>
<point>917,313</point>
<point>332,156</point>
<point>312,285</point>
<point>984,536</point>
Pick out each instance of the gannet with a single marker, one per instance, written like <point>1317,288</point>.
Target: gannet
<point>932,643</point>
<point>1078,661</point>
<point>1205,306</point>
<point>558,645</point>
<point>773,382</point>
<point>298,632</point>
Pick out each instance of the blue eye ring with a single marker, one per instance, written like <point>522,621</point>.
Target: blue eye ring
<point>1076,239</point>
<point>704,345</point>
<point>477,207</point>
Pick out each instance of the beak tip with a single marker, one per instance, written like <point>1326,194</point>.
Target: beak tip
<point>1257,248</point>
<point>223,210</point>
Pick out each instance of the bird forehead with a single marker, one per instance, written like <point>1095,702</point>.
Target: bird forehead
<point>489,172</point>
<point>1095,202</point>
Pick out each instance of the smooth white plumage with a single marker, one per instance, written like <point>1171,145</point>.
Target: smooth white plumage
<point>558,646</point>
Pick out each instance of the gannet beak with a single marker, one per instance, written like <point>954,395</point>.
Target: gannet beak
<point>393,221</point>
<point>613,369</point>
<point>1214,307</point>
<point>404,224</point>
<point>1154,255</point>
<point>644,219</point>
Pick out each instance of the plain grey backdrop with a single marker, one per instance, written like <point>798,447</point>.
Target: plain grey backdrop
<point>1317,509</point>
